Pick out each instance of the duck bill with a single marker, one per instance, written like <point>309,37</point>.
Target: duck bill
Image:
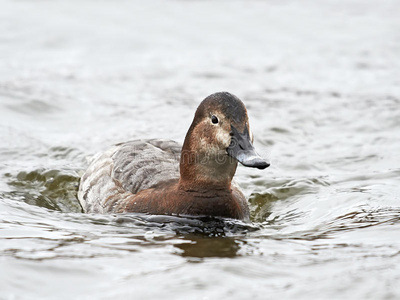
<point>243,150</point>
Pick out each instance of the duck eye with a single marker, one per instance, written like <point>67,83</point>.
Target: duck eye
<point>214,119</point>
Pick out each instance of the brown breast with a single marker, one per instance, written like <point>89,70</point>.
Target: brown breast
<point>171,199</point>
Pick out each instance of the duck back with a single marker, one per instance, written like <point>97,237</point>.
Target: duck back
<point>125,170</point>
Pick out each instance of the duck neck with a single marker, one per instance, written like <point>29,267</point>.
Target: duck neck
<point>203,168</point>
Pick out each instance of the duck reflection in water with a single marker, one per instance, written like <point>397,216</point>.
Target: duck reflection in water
<point>202,247</point>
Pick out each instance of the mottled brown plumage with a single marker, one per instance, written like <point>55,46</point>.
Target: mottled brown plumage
<point>159,177</point>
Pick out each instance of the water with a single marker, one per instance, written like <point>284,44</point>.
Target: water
<point>321,81</point>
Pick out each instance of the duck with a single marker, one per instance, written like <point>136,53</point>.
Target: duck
<point>162,177</point>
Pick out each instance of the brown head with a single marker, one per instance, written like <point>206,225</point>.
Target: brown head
<point>218,138</point>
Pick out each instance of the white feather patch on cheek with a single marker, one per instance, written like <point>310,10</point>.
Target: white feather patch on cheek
<point>223,138</point>
<point>208,148</point>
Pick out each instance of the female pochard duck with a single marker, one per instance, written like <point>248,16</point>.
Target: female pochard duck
<point>159,176</point>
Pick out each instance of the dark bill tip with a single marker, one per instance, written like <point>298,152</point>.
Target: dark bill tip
<point>249,158</point>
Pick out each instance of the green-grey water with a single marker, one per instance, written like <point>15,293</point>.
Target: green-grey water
<point>321,81</point>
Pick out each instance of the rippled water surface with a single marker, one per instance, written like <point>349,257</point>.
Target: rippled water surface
<point>321,81</point>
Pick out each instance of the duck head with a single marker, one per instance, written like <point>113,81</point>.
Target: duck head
<point>218,138</point>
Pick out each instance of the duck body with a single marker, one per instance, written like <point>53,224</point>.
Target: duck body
<point>158,176</point>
